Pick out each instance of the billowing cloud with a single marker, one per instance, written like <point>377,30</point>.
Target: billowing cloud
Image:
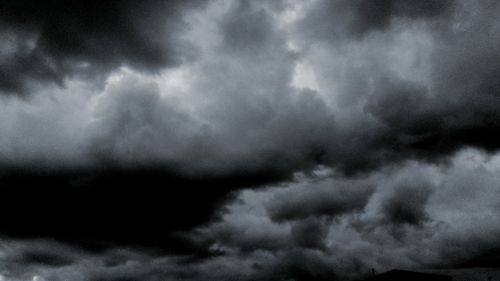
<point>430,232</point>
<point>250,140</point>
<point>416,217</point>
<point>47,41</point>
<point>388,96</point>
<point>325,199</point>
<point>415,86</point>
<point>335,20</point>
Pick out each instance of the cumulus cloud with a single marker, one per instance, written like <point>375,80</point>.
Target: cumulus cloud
<point>407,204</point>
<point>140,139</point>
<point>420,80</point>
<point>410,220</point>
<point>47,41</point>
<point>386,97</point>
<point>305,140</point>
<point>327,198</point>
<point>335,19</point>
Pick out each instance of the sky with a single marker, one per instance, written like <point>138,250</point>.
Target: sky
<point>248,140</point>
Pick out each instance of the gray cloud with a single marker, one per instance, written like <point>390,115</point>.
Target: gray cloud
<point>417,87</point>
<point>335,20</point>
<point>404,224</point>
<point>245,243</point>
<point>310,233</point>
<point>174,108</point>
<point>388,97</point>
<point>321,199</point>
<point>407,204</point>
<point>49,41</point>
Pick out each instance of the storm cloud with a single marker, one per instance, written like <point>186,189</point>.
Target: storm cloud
<point>449,230</point>
<point>442,220</point>
<point>50,40</point>
<point>250,140</point>
<point>389,96</point>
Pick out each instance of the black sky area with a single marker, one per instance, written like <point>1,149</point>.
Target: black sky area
<point>98,209</point>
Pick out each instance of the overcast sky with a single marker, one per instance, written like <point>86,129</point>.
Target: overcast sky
<point>247,140</point>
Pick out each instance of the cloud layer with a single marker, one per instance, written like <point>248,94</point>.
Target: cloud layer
<point>50,40</point>
<point>401,88</point>
<point>415,216</point>
<point>258,140</point>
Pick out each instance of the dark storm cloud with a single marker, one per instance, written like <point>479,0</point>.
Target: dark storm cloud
<point>407,204</point>
<point>298,265</point>
<point>373,15</point>
<point>477,248</point>
<point>246,31</point>
<point>310,233</point>
<point>325,199</point>
<point>419,216</point>
<point>100,209</point>
<point>402,105</point>
<point>140,161</point>
<point>84,266</point>
<point>334,20</point>
<point>49,259</point>
<point>234,115</point>
<point>151,163</point>
<point>312,248</point>
<point>242,102</point>
<point>424,99</point>
<point>49,40</point>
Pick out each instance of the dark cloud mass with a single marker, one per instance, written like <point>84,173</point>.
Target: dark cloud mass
<point>248,140</point>
<point>374,15</point>
<point>337,20</point>
<point>49,40</point>
<point>407,204</point>
<point>324,200</point>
